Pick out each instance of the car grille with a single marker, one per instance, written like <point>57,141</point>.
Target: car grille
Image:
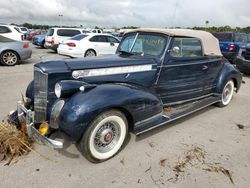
<point>40,95</point>
<point>246,54</point>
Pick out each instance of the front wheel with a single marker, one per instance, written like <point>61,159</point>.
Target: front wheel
<point>227,94</point>
<point>105,136</point>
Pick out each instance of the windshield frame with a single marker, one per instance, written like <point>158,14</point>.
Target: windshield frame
<point>137,34</point>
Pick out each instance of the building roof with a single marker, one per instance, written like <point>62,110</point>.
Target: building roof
<point>210,43</point>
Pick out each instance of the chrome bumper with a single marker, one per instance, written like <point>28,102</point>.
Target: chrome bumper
<point>26,116</point>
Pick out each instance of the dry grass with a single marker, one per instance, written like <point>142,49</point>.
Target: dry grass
<point>13,143</point>
<point>191,155</point>
<point>220,169</point>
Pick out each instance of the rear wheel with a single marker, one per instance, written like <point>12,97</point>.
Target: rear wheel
<point>105,136</point>
<point>227,94</point>
<point>9,58</point>
<point>89,53</point>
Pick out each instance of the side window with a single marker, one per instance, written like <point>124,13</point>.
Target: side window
<point>98,38</point>
<point>4,29</point>
<point>112,39</point>
<point>186,47</point>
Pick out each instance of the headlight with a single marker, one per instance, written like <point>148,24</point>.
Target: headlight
<point>58,90</point>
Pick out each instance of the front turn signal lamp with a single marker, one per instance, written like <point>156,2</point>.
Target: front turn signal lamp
<point>43,128</point>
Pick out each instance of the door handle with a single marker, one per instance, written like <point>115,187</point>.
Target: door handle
<point>204,67</point>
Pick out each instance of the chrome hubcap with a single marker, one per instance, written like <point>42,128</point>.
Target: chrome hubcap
<point>227,93</point>
<point>9,58</point>
<point>107,137</point>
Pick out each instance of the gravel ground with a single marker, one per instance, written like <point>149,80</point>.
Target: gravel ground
<point>205,149</point>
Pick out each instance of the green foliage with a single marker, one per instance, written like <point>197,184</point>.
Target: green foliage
<point>226,28</point>
<point>211,29</point>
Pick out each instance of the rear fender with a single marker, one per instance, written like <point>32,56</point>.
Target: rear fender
<point>228,72</point>
<point>80,109</point>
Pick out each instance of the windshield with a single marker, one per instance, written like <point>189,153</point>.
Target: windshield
<point>143,44</point>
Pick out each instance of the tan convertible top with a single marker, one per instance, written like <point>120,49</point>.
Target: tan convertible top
<point>209,42</point>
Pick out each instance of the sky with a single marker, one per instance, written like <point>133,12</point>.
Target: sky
<point>118,13</point>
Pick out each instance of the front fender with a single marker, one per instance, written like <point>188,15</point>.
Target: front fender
<point>228,72</point>
<point>80,109</point>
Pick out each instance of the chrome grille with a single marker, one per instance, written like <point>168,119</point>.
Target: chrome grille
<point>40,95</point>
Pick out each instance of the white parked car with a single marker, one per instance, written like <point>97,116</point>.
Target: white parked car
<point>24,30</point>
<point>55,36</point>
<point>11,32</point>
<point>89,44</point>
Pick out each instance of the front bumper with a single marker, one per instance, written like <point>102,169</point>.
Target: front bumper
<point>26,116</point>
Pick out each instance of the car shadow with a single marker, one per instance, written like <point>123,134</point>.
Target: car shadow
<point>246,75</point>
<point>66,144</point>
<point>169,125</point>
<point>51,51</point>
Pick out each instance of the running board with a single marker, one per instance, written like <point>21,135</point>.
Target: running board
<point>172,113</point>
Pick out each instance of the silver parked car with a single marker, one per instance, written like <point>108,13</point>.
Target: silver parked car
<point>11,51</point>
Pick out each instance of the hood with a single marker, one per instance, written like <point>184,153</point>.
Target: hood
<point>93,63</point>
<point>126,69</point>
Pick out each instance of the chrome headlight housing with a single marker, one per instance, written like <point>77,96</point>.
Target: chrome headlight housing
<point>58,90</point>
<point>67,88</point>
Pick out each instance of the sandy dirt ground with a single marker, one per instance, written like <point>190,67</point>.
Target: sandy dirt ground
<point>205,149</point>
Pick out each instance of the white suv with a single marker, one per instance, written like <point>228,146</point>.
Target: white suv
<point>55,36</point>
<point>11,32</point>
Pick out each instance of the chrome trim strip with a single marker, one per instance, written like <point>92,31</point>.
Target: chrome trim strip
<point>162,61</point>
<point>148,119</point>
<point>195,63</point>
<point>189,100</point>
<point>112,71</point>
<point>132,46</point>
<point>170,120</point>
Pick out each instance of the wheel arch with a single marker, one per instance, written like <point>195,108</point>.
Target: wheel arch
<point>126,112</point>
<point>89,50</point>
<point>229,72</point>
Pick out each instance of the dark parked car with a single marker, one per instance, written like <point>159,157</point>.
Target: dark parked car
<point>39,40</point>
<point>11,51</point>
<point>96,101</point>
<point>243,60</point>
<point>230,43</point>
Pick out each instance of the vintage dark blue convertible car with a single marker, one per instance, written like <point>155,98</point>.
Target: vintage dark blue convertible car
<point>157,76</point>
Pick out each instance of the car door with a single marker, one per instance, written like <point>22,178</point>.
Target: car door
<point>100,44</point>
<point>183,74</point>
<point>113,44</point>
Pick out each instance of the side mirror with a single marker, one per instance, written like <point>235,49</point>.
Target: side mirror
<point>112,44</point>
<point>176,50</point>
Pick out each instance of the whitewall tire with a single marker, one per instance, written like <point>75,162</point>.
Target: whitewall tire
<point>227,93</point>
<point>105,136</point>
